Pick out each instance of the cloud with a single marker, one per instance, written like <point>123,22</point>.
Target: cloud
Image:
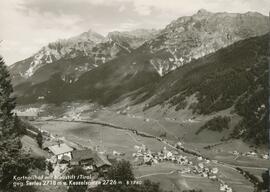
<point>122,8</point>
<point>143,10</point>
<point>180,7</point>
<point>24,34</point>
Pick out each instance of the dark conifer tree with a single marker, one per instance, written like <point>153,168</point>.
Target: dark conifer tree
<point>7,102</point>
<point>39,139</point>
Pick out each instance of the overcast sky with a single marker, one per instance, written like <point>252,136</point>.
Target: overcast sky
<point>27,25</point>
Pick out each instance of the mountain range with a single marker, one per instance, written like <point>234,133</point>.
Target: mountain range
<point>216,60</point>
<point>74,56</point>
<point>184,39</point>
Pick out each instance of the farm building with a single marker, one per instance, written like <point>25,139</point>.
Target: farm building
<point>93,160</point>
<point>60,150</point>
<point>102,163</point>
<point>82,157</point>
<point>49,143</point>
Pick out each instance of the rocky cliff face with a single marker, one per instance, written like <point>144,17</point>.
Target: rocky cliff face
<point>77,55</point>
<point>195,36</point>
<point>132,39</point>
<point>66,48</point>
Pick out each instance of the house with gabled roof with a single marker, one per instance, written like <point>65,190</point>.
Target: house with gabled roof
<point>82,157</point>
<point>48,143</point>
<point>60,150</point>
<point>89,158</point>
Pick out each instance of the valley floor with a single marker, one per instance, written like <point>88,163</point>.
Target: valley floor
<point>90,130</point>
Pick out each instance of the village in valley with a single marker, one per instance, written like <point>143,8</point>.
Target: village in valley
<point>65,154</point>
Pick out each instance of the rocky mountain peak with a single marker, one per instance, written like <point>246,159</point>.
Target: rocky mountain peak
<point>134,38</point>
<point>192,37</point>
<point>80,45</point>
<point>90,35</point>
<point>203,12</point>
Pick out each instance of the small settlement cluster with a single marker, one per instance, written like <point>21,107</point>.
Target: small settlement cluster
<point>199,166</point>
<point>63,153</point>
<point>69,155</point>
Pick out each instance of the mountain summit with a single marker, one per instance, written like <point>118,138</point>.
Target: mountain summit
<point>80,45</point>
<point>134,38</point>
<point>203,12</point>
<point>195,36</point>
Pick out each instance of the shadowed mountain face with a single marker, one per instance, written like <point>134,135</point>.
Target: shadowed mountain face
<point>235,76</point>
<point>104,84</point>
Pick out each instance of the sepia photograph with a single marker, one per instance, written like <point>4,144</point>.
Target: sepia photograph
<point>134,95</point>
